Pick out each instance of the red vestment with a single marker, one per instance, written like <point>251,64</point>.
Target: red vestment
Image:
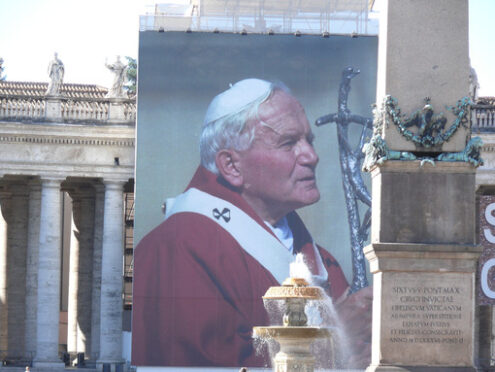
<point>197,293</point>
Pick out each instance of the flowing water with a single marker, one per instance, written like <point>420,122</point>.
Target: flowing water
<point>329,353</point>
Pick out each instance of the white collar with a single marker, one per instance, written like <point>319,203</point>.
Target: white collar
<point>283,232</point>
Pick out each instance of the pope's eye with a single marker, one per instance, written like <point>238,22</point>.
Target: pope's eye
<point>289,143</point>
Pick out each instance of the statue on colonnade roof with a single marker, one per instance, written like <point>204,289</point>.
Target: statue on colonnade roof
<point>56,73</point>
<point>119,71</point>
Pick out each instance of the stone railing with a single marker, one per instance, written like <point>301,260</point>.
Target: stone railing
<point>483,118</point>
<point>84,111</point>
<point>21,109</point>
<point>96,110</point>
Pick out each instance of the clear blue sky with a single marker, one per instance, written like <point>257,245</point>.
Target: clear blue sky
<point>85,33</point>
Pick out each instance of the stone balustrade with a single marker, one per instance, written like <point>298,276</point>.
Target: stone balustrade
<point>84,111</point>
<point>483,118</point>
<point>21,109</point>
<point>97,110</point>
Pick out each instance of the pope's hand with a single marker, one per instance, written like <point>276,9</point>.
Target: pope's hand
<point>355,315</point>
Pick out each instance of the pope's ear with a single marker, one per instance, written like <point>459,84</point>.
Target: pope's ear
<point>227,162</point>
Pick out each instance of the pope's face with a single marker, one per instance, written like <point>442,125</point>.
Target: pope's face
<point>278,170</point>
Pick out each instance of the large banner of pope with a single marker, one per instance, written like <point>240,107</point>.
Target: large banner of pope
<point>233,179</point>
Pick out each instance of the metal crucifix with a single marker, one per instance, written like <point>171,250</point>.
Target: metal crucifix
<point>354,188</point>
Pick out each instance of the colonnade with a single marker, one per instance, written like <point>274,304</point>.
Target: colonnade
<point>31,268</point>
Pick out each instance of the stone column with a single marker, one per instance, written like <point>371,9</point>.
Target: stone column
<point>96,280</point>
<point>80,276</point>
<point>32,267</point>
<point>111,276</point>
<point>49,271</point>
<point>423,51</point>
<point>73,281</point>
<point>4,314</point>
<point>423,250</point>
<point>16,266</point>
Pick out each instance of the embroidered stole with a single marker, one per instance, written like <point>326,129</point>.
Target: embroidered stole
<point>253,238</point>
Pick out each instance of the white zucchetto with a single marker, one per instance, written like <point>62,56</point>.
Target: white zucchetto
<point>236,98</point>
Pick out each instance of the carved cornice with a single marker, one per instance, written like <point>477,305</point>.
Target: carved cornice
<point>12,138</point>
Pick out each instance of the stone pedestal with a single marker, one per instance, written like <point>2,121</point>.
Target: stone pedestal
<point>423,316</point>
<point>423,258</point>
<point>116,110</point>
<point>53,108</point>
<point>423,204</point>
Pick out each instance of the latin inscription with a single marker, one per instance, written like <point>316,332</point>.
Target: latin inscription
<point>426,315</point>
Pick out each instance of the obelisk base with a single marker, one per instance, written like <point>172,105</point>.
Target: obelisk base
<point>423,306</point>
<point>419,369</point>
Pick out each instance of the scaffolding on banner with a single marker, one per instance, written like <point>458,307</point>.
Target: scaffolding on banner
<point>264,16</point>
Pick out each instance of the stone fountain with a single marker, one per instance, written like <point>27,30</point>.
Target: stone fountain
<point>294,336</point>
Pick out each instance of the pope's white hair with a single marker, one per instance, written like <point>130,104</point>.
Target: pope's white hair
<point>230,132</point>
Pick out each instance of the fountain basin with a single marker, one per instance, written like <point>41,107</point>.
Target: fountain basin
<point>295,336</point>
<point>289,332</point>
<point>295,343</point>
<point>294,288</point>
